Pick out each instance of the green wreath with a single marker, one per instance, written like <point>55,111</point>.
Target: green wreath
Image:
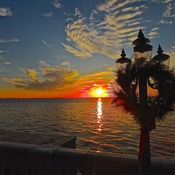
<point>158,77</point>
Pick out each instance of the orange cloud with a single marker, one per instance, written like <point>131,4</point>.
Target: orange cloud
<point>54,81</point>
<point>45,78</point>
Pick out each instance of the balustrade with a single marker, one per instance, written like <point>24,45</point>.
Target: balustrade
<point>30,159</point>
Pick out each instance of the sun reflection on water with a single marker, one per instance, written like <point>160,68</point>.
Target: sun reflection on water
<point>99,114</point>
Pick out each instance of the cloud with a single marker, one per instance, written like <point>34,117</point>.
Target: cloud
<point>3,51</point>
<point>69,19</point>
<point>118,24</point>
<point>56,4</point>
<point>170,9</point>
<point>77,12</point>
<point>9,40</point>
<point>5,63</point>
<point>99,78</point>
<point>32,74</point>
<point>66,64</point>
<point>45,43</point>
<point>49,14</point>
<point>87,83</point>
<point>61,78</point>
<point>165,21</point>
<point>5,12</point>
<point>44,78</point>
<point>77,52</point>
<point>114,24</point>
<point>154,33</point>
<point>43,64</point>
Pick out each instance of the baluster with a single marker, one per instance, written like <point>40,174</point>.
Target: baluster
<point>12,172</point>
<point>6,171</point>
<point>56,170</point>
<point>86,170</point>
<point>17,172</point>
<point>24,169</point>
<point>1,170</point>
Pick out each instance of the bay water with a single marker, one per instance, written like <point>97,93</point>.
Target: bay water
<point>98,125</point>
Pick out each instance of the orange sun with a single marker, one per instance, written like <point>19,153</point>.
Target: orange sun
<point>98,92</point>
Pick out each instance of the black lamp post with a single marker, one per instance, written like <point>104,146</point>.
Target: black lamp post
<point>143,59</point>
<point>143,53</point>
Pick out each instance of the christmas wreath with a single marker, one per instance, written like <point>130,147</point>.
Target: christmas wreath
<point>159,78</point>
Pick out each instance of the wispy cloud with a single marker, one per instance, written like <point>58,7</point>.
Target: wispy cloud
<point>45,43</point>
<point>2,60</point>
<point>5,11</point>
<point>154,33</point>
<point>56,4</point>
<point>66,64</point>
<point>87,36</point>
<point>9,40</point>
<point>165,21</point>
<point>3,51</point>
<point>113,25</point>
<point>170,9</point>
<point>49,14</point>
<point>5,63</point>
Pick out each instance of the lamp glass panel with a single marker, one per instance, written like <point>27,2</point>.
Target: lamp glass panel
<point>121,66</point>
<point>166,62</point>
<point>142,58</point>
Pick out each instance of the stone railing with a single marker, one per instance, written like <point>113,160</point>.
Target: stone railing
<point>30,159</point>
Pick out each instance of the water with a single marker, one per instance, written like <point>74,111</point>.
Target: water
<point>97,124</point>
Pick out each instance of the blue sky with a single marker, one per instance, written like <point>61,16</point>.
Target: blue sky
<point>56,48</point>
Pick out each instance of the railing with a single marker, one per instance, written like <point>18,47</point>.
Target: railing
<point>28,159</point>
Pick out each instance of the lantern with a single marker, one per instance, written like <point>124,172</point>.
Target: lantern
<point>161,58</point>
<point>122,62</point>
<point>142,50</point>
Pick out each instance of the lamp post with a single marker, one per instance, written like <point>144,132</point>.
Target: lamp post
<point>143,53</point>
<point>142,61</point>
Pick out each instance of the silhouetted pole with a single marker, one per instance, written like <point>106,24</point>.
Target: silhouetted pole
<point>144,157</point>
<point>143,53</point>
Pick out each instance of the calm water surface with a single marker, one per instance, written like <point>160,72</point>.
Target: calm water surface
<point>97,124</point>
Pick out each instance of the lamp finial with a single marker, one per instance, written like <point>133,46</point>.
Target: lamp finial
<point>159,51</point>
<point>123,54</point>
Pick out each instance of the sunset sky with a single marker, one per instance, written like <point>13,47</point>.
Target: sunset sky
<point>68,48</point>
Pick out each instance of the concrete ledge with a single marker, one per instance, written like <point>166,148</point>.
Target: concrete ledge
<point>52,160</point>
<point>14,146</point>
<point>38,139</point>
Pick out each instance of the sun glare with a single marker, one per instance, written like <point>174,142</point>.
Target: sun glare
<point>98,92</point>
